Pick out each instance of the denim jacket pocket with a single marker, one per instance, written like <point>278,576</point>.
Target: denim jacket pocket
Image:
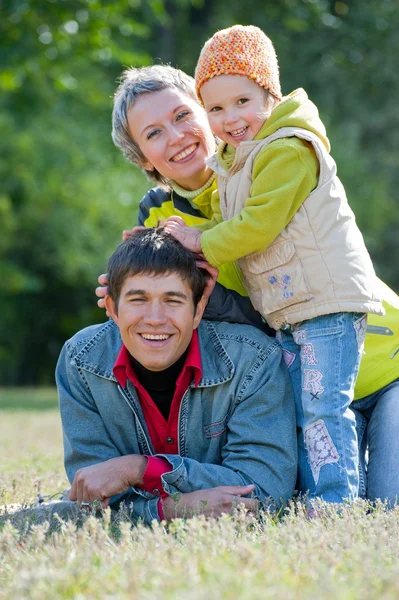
<point>275,277</point>
<point>215,429</point>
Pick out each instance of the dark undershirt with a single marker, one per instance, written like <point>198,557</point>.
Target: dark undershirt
<point>160,385</point>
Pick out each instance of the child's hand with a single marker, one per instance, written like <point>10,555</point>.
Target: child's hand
<point>176,219</point>
<point>189,237</point>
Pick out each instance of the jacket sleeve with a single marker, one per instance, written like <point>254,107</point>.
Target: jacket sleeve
<point>216,215</point>
<point>86,440</point>
<point>228,305</point>
<point>260,445</point>
<point>284,174</point>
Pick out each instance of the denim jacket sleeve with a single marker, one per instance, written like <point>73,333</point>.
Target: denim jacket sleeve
<point>260,446</point>
<point>86,439</point>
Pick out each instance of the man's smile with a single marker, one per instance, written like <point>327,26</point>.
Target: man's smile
<point>156,337</point>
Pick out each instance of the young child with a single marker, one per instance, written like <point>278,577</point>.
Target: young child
<point>284,216</point>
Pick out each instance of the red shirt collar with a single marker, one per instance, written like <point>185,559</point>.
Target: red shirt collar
<point>123,369</point>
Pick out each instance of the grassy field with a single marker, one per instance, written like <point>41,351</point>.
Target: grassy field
<point>31,445</point>
<point>349,555</point>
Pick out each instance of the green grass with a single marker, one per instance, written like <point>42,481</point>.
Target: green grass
<point>347,555</point>
<point>31,399</point>
<point>31,457</point>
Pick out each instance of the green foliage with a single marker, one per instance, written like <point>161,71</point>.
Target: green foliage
<point>66,193</point>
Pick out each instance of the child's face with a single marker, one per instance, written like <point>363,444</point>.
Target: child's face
<point>236,107</point>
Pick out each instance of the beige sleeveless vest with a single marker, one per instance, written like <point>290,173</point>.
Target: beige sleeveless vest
<point>318,264</point>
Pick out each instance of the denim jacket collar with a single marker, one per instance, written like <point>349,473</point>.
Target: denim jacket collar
<point>99,351</point>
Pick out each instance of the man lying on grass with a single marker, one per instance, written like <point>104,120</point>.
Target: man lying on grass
<point>167,413</point>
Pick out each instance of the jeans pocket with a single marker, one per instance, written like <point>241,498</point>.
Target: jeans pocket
<point>360,325</point>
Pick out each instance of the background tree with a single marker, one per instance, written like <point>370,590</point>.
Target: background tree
<point>66,193</point>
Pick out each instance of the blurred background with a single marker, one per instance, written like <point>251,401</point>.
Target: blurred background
<point>66,192</point>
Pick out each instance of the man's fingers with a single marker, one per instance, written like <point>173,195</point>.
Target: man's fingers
<point>251,504</point>
<point>72,492</point>
<point>236,490</point>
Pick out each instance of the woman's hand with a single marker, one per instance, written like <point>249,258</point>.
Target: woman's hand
<point>213,273</point>
<point>189,237</point>
<point>128,233</point>
<point>102,291</point>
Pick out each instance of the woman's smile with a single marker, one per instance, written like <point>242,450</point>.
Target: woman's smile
<point>185,153</point>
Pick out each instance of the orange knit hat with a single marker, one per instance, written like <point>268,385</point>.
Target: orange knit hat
<point>239,50</point>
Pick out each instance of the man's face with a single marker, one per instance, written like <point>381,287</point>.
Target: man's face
<point>156,318</point>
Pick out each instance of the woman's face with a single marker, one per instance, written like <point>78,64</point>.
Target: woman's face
<point>172,132</point>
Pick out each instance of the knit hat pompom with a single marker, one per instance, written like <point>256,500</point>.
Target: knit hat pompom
<point>239,50</point>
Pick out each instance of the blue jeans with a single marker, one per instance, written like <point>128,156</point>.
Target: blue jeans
<point>377,422</point>
<point>323,356</point>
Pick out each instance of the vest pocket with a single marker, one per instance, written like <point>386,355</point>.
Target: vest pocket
<point>275,278</point>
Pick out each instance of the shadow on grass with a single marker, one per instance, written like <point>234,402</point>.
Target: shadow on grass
<point>28,399</point>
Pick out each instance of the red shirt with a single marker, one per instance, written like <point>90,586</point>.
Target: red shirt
<point>163,433</point>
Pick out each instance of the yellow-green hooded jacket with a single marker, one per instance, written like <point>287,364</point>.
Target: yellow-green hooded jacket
<point>317,263</point>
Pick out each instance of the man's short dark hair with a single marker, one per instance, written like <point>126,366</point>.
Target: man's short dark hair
<point>154,252</point>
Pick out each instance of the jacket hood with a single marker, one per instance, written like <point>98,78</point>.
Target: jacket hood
<point>295,110</point>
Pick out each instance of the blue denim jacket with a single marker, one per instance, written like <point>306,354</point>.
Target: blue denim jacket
<point>236,428</point>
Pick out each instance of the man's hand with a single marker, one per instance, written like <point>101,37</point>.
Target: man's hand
<point>212,502</point>
<point>189,237</point>
<point>103,480</point>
